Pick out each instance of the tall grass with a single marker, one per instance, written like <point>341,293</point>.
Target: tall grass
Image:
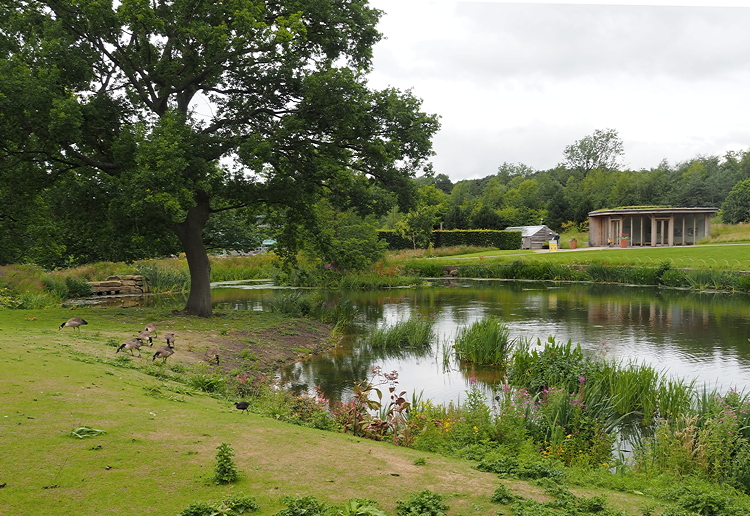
<point>486,342</point>
<point>415,332</point>
<point>233,268</point>
<point>298,303</point>
<point>163,276</point>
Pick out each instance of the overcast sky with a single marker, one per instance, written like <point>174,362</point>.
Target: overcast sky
<point>517,82</point>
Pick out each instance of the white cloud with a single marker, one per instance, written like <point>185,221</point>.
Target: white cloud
<point>519,82</point>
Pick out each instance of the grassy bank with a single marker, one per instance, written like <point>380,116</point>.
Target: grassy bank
<point>163,424</point>
<point>157,454</point>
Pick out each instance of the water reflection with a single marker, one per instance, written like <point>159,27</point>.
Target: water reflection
<point>690,335</point>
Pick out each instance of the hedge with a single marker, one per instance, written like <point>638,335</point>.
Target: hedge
<point>459,237</point>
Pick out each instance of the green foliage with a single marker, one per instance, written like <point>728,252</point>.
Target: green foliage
<point>511,467</point>
<point>485,238</point>
<point>211,383</point>
<point>165,277</point>
<point>303,506</point>
<point>152,168</point>
<point>82,432</point>
<point>66,287</point>
<point>694,498</point>
<point>225,471</point>
<point>343,240</point>
<point>231,506</point>
<point>487,342</point>
<point>599,151</point>
<point>394,239</point>
<point>425,503</point>
<point>736,205</point>
<point>503,495</point>
<point>360,507</point>
<point>498,239</point>
<point>550,364</point>
<point>415,332</point>
<point>425,268</point>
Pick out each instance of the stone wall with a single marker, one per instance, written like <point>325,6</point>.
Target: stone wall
<point>120,285</point>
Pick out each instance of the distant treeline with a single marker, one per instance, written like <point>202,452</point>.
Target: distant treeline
<point>518,195</point>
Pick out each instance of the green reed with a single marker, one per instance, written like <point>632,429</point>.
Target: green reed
<point>232,268</point>
<point>164,276</point>
<point>487,342</point>
<point>416,332</point>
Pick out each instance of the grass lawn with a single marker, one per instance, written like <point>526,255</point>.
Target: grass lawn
<point>158,452</point>
<point>719,256</point>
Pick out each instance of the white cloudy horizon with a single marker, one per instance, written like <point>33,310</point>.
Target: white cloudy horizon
<point>517,82</point>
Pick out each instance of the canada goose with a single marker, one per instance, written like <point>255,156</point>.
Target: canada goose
<point>163,352</point>
<point>74,323</point>
<point>169,338</point>
<point>130,345</point>
<point>146,335</point>
<point>242,405</point>
<point>151,328</point>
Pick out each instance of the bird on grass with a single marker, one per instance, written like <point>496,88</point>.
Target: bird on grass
<point>164,352</point>
<point>130,345</point>
<point>146,335</point>
<point>242,405</point>
<point>75,323</point>
<point>169,338</point>
<point>151,327</point>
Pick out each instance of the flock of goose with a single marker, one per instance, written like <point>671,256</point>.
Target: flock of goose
<point>146,335</point>
<point>134,344</point>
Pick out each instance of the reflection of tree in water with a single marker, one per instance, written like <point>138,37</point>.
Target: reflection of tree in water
<point>338,370</point>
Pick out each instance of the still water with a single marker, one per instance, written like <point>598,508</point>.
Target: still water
<point>689,335</point>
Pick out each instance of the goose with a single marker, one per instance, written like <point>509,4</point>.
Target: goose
<point>74,323</point>
<point>130,345</point>
<point>242,405</point>
<point>169,338</point>
<point>146,335</point>
<point>163,352</point>
<point>151,328</point>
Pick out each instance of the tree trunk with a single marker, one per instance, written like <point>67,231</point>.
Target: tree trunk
<point>190,233</point>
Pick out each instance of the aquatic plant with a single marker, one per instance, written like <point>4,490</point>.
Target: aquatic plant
<point>487,342</point>
<point>415,332</point>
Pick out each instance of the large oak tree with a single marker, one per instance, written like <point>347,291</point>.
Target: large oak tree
<point>177,109</point>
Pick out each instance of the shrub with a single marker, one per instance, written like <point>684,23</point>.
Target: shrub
<point>303,506</point>
<point>225,472</point>
<point>208,383</point>
<point>425,503</point>
<point>503,495</point>
<point>77,287</point>
<point>229,507</point>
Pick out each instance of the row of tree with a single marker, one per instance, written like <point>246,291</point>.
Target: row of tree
<point>517,195</point>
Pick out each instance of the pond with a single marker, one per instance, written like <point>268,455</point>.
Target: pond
<point>689,335</point>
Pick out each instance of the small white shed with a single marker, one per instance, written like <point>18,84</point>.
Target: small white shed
<point>533,237</point>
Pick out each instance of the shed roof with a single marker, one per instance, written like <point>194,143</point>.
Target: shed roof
<point>527,231</point>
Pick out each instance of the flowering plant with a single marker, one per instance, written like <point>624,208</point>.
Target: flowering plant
<point>624,236</point>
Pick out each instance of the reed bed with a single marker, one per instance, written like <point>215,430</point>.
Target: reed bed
<point>415,332</point>
<point>486,342</point>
